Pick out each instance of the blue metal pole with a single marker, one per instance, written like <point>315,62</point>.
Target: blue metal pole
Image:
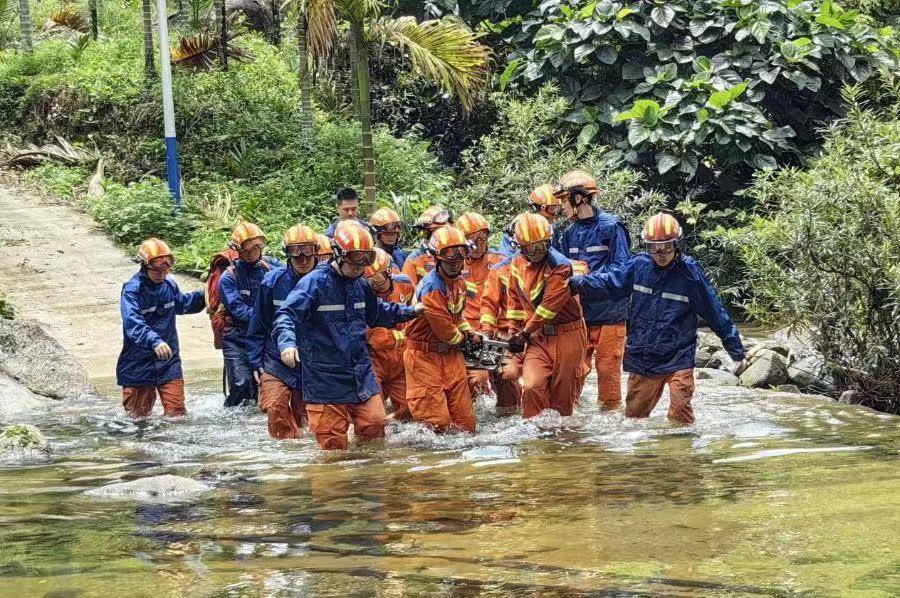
<point>173,171</point>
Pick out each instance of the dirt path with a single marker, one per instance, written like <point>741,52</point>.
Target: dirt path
<point>59,269</point>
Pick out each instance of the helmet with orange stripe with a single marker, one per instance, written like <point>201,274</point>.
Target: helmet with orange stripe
<point>450,248</point>
<point>662,234</point>
<point>155,254</point>
<point>577,187</point>
<point>300,244</point>
<point>532,233</point>
<point>477,230</point>
<point>386,226</point>
<point>379,273</point>
<point>543,200</point>
<point>433,218</point>
<point>324,252</point>
<point>353,244</point>
<point>244,234</point>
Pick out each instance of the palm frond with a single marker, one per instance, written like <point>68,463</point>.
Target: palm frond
<point>360,10</point>
<point>444,50</point>
<point>65,17</point>
<point>200,51</point>
<point>321,26</point>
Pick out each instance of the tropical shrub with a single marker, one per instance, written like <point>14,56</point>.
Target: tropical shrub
<point>705,89</point>
<point>823,253</point>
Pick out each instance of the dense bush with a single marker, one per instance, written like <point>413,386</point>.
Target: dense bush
<point>823,255</point>
<point>711,89</point>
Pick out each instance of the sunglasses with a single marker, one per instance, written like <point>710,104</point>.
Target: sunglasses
<point>360,258</point>
<point>161,263</point>
<point>454,253</point>
<point>301,250</point>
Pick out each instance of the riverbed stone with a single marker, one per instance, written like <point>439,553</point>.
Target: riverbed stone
<point>16,401</point>
<point>30,356</point>
<point>161,488</point>
<point>851,397</point>
<point>809,374</point>
<point>716,377</point>
<point>23,443</point>
<point>767,369</point>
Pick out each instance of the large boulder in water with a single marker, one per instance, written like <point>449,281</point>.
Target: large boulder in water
<point>715,377</point>
<point>162,488</point>
<point>809,374</point>
<point>23,443</point>
<point>16,401</point>
<point>767,368</point>
<point>30,356</point>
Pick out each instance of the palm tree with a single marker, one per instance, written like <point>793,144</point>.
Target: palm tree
<point>445,51</point>
<point>92,10</point>
<point>149,64</point>
<point>26,26</point>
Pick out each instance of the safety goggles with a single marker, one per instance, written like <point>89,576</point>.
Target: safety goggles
<point>253,245</point>
<point>663,248</point>
<point>301,250</point>
<point>390,227</point>
<point>475,237</point>
<point>535,247</point>
<point>457,252</point>
<point>161,263</point>
<point>553,210</point>
<point>360,258</point>
<point>441,218</point>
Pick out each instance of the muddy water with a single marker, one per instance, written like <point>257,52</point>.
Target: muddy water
<point>766,494</point>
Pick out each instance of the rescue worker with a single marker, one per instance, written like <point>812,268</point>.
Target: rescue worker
<point>420,262</point>
<point>386,345</point>
<point>669,291</point>
<point>387,227</point>
<point>543,200</point>
<point>550,323</point>
<point>494,323</point>
<point>437,388</point>
<point>280,389</point>
<point>477,231</point>
<point>150,362</point>
<point>237,288</point>
<point>324,253</point>
<point>601,241</point>
<point>324,320</point>
<point>347,203</point>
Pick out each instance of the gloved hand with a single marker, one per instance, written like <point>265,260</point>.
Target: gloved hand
<point>517,342</point>
<point>257,375</point>
<point>740,366</point>
<point>420,309</point>
<point>290,357</point>
<point>163,351</point>
<point>474,338</point>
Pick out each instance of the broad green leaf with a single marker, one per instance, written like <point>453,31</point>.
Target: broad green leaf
<point>764,161</point>
<point>588,10</point>
<point>719,99</point>
<point>583,50</point>
<point>737,90</point>
<point>637,134</point>
<point>607,55</point>
<point>702,64</point>
<point>760,29</point>
<point>624,12</point>
<point>665,162</point>
<point>662,15</point>
<point>549,33</point>
<point>587,134</point>
<point>638,110</point>
<point>508,73</point>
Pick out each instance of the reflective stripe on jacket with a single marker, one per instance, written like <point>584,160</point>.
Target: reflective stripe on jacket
<point>418,264</point>
<point>325,317</point>
<point>148,319</point>
<point>445,301</point>
<point>662,318</point>
<point>603,243</point>
<point>539,293</point>
<point>262,351</point>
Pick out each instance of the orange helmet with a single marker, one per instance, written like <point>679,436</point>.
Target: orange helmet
<point>382,263</point>
<point>304,240</point>
<point>448,243</point>
<point>245,231</point>
<point>472,222</point>
<point>386,220</point>
<point>544,196</point>
<point>433,218</point>
<point>661,228</point>
<point>576,181</point>
<point>152,249</point>
<point>354,242</point>
<point>531,228</point>
<point>324,246</point>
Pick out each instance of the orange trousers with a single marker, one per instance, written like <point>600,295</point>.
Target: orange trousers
<point>391,375</point>
<point>605,347</point>
<point>138,400</point>
<point>644,393</point>
<point>284,406</point>
<point>330,423</point>
<point>552,370</point>
<point>437,389</point>
<point>506,385</point>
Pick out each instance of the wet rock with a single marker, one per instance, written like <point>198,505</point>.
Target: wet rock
<point>716,377</point>
<point>30,356</point>
<point>809,374</point>
<point>851,397</point>
<point>767,369</point>
<point>800,343</point>
<point>791,388</point>
<point>768,345</point>
<point>16,401</point>
<point>722,360</point>
<point>706,357</point>
<point>257,14</point>
<point>221,473</point>
<point>23,443</point>
<point>162,488</point>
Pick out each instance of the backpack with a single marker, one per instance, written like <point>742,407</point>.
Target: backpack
<point>218,317</point>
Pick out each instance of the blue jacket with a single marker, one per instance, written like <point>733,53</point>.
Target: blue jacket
<point>237,288</point>
<point>662,317</point>
<point>262,351</point>
<point>603,243</point>
<point>325,316</point>
<point>148,319</point>
<point>399,257</point>
<point>330,232</point>
<point>507,247</point>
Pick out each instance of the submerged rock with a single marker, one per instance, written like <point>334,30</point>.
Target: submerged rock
<point>17,401</point>
<point>717,377</point>
<point>30,356</point>
<point>23,443</point>
<point>767,369</point>
<point>160,488</point>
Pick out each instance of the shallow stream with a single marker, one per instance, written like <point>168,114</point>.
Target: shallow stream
<point>767,494</point>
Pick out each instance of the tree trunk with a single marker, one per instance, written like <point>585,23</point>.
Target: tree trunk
<point>222,30</point>
<point>307,124</point>
<point>354,71</point>
<point>26,26</point>
<point>92,9</point>
<point>276,22</point>
<point>149,65</point>
<point>365,120</point>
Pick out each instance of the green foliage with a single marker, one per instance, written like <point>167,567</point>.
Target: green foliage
<point>689,86</point>
<point>823,253</point>
<point>6,308</point>
<point>63,181</point>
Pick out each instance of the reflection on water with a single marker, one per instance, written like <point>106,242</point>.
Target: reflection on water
<point>766,494</point>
